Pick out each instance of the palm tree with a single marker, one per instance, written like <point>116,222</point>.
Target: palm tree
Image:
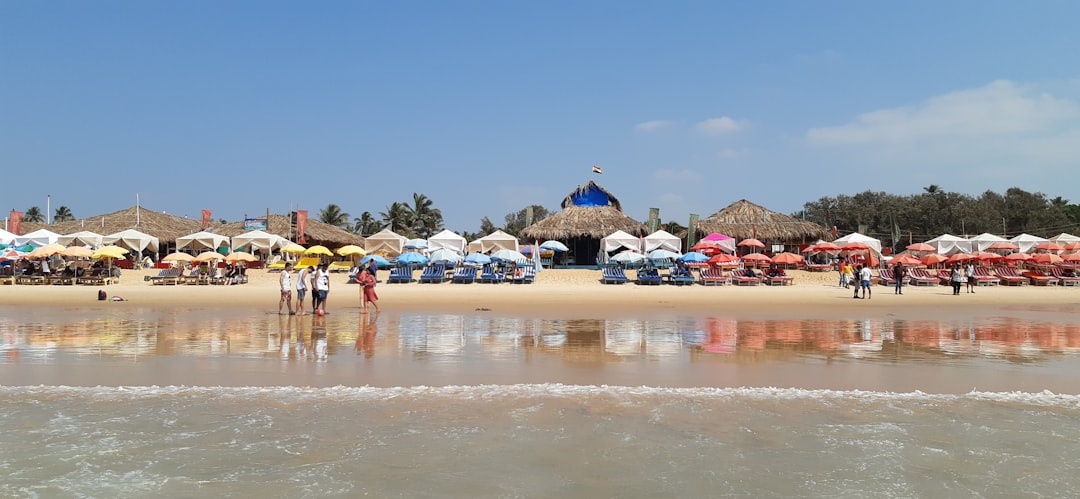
<point>63,214</point>
<point>423,219</point>
<point>333,215</point>
<point>33,215</point>
<point>366,224</point>
<point>396,217</point>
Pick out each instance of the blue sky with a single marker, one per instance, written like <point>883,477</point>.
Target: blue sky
<point>487,107</point>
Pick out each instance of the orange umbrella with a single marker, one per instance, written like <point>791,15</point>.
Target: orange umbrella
<point>1018,257</point>
<point>208,256</point>
<point>959,257</point>
<point>722,259</point>
<point>757,257</point>
<point>906,260</point>
<point>932,259</point>
<point>986,256</point>
<point>1071,257</point>
<point>1075,245</point>
<point>920,247</point>
<point>827,247</point>
<point>753,243</point>
<point>1003,245</point>
<point>1049,246</point>
<point>1047,258</point>
<point>787,258</point>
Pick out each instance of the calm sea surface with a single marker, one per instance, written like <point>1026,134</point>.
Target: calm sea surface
<point>130,402</point>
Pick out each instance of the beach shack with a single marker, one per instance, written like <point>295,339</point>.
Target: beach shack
<point>589,214</point>
<point>745,220</point>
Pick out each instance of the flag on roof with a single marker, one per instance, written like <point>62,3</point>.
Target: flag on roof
<point>597,169</point>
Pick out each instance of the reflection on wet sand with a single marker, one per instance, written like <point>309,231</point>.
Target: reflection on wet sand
<point>446,337</point>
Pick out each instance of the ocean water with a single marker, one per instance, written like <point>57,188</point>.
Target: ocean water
<point>151,402</point>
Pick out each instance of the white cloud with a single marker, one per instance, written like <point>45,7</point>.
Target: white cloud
<point>1000,109</point>
<point>654,125</point>
<point>720,126</point>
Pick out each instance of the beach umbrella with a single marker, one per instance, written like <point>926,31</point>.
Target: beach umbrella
<point>1046,258</point>
<point>694,257</point>
<point>412,258</point>
<point>379,260</point>
<point>508,256</point>
<point>707,248</point>
<point>11,254</point>
<point>1049,246</point>
<point>826,246</point>
<point>628,257</point>
<point>1071,257</point>
<point>293,248</point>
<point>906,259</point>
<point>178,257</point>
<point>351,250</point>
<point>240,256</point>
<point>986,256</point>
<point>110,251</point>
<point>751,243</point>
<point>319,250</point>
<point>959,257</point>
<point>77,252</point>
<point>787,258</point>
<point>1018,257</point>
<point>932,259</point>
<point>723,259</point>
<point>45,251</point>
<point>757,258</point>
<point>478,258</point>
<point>416,244</point>
<point>554,246</point>
<point>208,256</point>
<point>1075,245</point>
<point>663,254</point>
<point>445,255</point>
<point>1004,245</point>
<point>922,247</point>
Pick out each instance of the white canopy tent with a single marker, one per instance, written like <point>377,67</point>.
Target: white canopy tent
<point>1027,242</point>
<point>983,241</point>
<point>447,240</point>
<point>662,239</point>
<point>948,244</point>
<point>133,240</point>
<point>1064,238</point>
<point>385,241</point>
<point>39,237</point>
<point>6,237</point>
<point>258,240</point>
<point>495,241</point>
<point>619,240</point>
<point>81,238</point>
<point>855,237</point>
<point>204,241</point>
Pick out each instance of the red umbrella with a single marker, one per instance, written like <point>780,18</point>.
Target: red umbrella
<point>827,247</point>
<point>757,257</point>
<point>787,258</point>
<point>1075,245</point>
<point>810,249</point>
<point>706,248</point>
<point>906,260</point>
<point>753,243</point>
<point>722,259</point>
<point>1003,245</point>
<point>986,256</point>
<point>1049,246</point>
<point>959,257</point>
<point>920,247</point>
<point>1047,258</point>
<point>1018,257</point>
<point>1071,257</point>
<point>932,259</point>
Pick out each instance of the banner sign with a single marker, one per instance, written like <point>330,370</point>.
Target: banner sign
<point>691,231</point>
<point>301,226</point>
<point>16,222</point>
<point>206,214</point>
<point>654,219</point>
<point>255,224</point>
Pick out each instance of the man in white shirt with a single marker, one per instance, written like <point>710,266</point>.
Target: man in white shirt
<point>864,278</point>
<point>285,284</point>
<point>322,288</point>
<point>301,289</point>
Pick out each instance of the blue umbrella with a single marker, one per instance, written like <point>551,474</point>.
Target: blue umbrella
<point>693,257</point>
<point>412,258</point>
<point>479,258</point>
<point>380,261</point>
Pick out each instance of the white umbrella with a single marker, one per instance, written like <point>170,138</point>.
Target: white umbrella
<point>509,256</point>
<point>663,254</point>
<point>554,246</point>
<point>628,257</point>
<point>444,256</point>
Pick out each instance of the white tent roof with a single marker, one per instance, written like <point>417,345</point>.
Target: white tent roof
<point>82,238</point>
<point>1064,238</point>
<point>983,241</point>
<point>447,239</point>
<point>494,242</point>
<point>948,244</point>
<point>133,240</point>
<point>39,237</point>
<point>618,240</point>
<point>662,239</point>
<point>206,241</point>
<point>6,237</point>
<point>1027,242</point>
<point>386,241</point>
<point>259,240</point>
<point>855,237</point>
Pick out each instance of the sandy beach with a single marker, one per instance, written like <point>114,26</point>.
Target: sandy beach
<point>579,293</point>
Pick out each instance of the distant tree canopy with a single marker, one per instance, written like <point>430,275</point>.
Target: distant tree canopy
<point>33,214</point>
<point>894,219</point>
<point>63,214</point>
<point>419,219</point>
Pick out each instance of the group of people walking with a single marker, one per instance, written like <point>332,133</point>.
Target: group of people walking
<point>961,274</point>
<point>317,279</point>
<point>859,277</point>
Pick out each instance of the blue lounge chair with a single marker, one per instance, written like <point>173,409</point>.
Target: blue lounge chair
<point>649,276</point>
<point>433,274</point>
<point>613,275</point>
<point>490,275</point>
<point>464,275</point>
<point>680,277</point>
<point>400,275</point>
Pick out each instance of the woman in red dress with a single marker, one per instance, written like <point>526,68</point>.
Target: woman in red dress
<point>367,289</point>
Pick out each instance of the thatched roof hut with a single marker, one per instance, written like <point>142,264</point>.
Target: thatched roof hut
<point>317,232</point>
<point>743,220</point>
<point>589,213</point>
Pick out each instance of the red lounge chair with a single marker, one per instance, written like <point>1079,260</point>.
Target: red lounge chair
<point>1038,278</point>
<point>1009,277</point>
<point>944,277</point>
<point>782,279</point>
<point>921,277</point>
<point>714,276</point>
<point>1063,279</point>
<point>740,278</point>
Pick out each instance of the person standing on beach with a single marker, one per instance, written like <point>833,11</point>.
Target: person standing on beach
<point>969,272</point>
<point>855,283</point>
<point>845,273</point>
<point>367,289</point>
<point>864,278</point>
<point>313,276</point>
<point>957,278</point>
<point>301,290</point>
<point>285,284</point>
<point>899,273</point>
<point>322,288</point>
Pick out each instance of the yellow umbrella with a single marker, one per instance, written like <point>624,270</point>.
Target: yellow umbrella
<point>351,250</point>
<point>46,251</point>
<point>208,256</point>
<point>240,256</point>
<point>293,248</point>
<point>110,251</point>
<point>178,257</point>
<point>77,252</point>
<point>318,250</point>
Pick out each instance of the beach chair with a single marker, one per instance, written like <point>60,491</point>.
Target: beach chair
<point>464,275</point>
<point>781,279</point>
<point>1063,279</point>
<point>886,277</point>
<point>714,276</point>
<point>649,277</point>
<point>433,274</point>
<point>944,277</point>
<point>1039,278</point>
<point>680,277</point>
<point>524,275</point>
<point>613,275</point>
<point>983,277</point>
<point>491,275</point>
<point>920,277</point>
<point>170,276</point>
<point>400,275</point>
<point>1009,277</point>
<point>339,266</point>
<point>740,277</point>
